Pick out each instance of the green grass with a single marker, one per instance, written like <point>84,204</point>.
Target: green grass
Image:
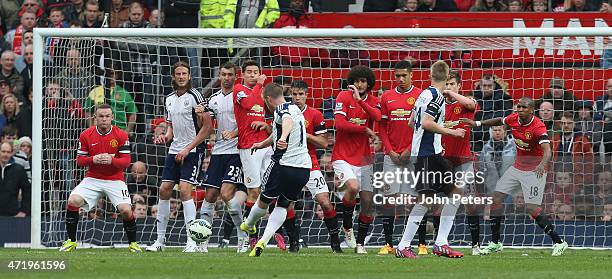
<point>310,263</point>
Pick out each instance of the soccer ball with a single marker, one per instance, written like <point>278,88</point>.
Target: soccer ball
<point>200,230</point>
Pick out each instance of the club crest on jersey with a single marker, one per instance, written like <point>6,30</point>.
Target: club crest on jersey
<point>114,143</point>
<point>306,123</point>
<point>257,108</point>
<point>248,180</point>
<point>411,101</point>
<point>357,121</point>
<point>400,112</point>
<point>186,103</point>
<point>457,110</point>
<point>528,135</point>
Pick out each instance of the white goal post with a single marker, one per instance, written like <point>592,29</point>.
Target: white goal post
<point>242,38</point>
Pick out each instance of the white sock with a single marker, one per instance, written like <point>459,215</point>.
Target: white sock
<point>275,221</point>
<point>206,211</point>
<point>235,211</point>
<point>163,213</point>
<point>189,214</point>
<point>256,214</point>
<point>412,225</point>
<point>447,218</point>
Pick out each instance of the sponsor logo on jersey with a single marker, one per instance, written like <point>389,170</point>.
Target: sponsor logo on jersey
<point>528,135</point>
<point>257,108</point>
<point>114,143</point>
<point>450,124</point>
<point>457,110</point>
<point>400,112</point>
<point>357,121</point>
<point>411,101</point>
<point>521,144</point>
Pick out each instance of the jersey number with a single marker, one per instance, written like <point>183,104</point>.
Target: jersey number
<point>417,119</point>
<point>320,182</point>
<point>533,191</point>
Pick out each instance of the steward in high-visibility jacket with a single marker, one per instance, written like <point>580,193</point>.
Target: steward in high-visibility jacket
<point>222,13</point>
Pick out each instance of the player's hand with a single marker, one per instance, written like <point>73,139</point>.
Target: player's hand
<point>259,125</point>
<point>355,92</point>
<point>199,109</point>
<point>468,121</point>
<point>405,157</point>
<point>262,79</point>
<point>228,135</point>
<point>281,144</point>
<point>539,171</point>
<point>371,133</point>
<point>20,214</point>
<point>447,93</point>
<point>395,158</point>
<point>256,146</point>
<point>181,155</point>
<point>161,139</point>
<point>459,133</point>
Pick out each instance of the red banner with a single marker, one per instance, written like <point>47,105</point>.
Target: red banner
<point>570,50</point>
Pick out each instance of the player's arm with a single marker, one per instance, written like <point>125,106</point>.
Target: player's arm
<point>341,118</point>
<point>430,125</point>
<point>122,158</point>
<point>466,102</point>
<point>541,168</point>
<point>263,144</point>
<point>373,112</point>
<point>84,159</point>
<point>229,134</point>
<point>498,121</point>
<point>319,138</point>
<point>204,132</point>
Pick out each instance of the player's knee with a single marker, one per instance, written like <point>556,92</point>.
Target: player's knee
<point>212,194</point>
<point>281,202</point>
<point>326,205</point>
<point>75,201</point>
<point>352,186</point>
<point>165,191</point>
<point>498,197</point>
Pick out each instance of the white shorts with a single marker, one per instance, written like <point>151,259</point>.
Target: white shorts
<point>465,177</point>
<point>345,171</point>
<point>533,187</point>
<point>316,183</point>
<point>404,186</point>
<point>91,189</point>
<point>254,166</point>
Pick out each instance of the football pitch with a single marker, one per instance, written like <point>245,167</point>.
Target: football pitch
<point>309,263</point>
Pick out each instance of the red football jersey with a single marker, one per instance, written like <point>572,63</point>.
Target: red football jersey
<point>351,120</point>
<point>115,142</point>
<point>396,108</point>
<point>458,150</point>
<point>527,138</point>
<point>315,125</point>
<point>248,107</point>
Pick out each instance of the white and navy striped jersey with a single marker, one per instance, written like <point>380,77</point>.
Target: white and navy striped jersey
<point>181,113</point>
<point>296,154</point>
<point>221,107</point>
<point>425,143</point>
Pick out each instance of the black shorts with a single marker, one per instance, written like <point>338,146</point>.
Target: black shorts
<point>223,168</point>
<point>283,183</point>
<point>188,171</point>
<point>435,174</point>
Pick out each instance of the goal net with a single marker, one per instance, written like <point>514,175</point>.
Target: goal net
<point>132,73</point>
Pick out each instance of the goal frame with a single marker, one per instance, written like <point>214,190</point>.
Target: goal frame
<point>40,35</point>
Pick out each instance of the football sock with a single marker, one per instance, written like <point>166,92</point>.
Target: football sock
<point>364,226</point>
<point>474,225</point>
<point>235,213</point>
<point>72,221</point>
<point>248,206</point>
<point>289,225</point>
<point>189,213</point>
<point>347,214</point>
<point>436,224</point>
<point>447,219</point>
<point>256,214</point>
<point>206,211</point>
<point>129,225</point>
<point>495,228</point>
<point>544,223</point>
<point>388,222</point>
<point>276,219</point>
<point>422,231</point>
<point>331,222</point>
<point>163,213</point>
<point>412,225</point>
<point>228,225</point>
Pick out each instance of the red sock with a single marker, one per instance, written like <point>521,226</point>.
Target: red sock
<point>290,213</point>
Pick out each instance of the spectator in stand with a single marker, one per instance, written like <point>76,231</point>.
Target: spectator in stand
<point>78,81</point>
<point>76,10</point>
<point>565,187</point>
<point>124,108</point>
<point>464,5</point>
<point>11,110</point>
<point>156,19</point>
<point>154,211</point>
<point>25,147</point>
<point>562,99</point>
<point>603,105</point>
<point>50,4</point>
<point>27,59</point>
<point>140,182</point>
<point>497,156</point>
<point>580,6</point>
<point>604,183</point>
<point>7,61</point>
<point>493,101</point>
<point>21,158</point>
<point>91,18</point>
<point>57,19</point>
<point>8,13</point>
<point>243,14</point>
<point>571,148</point>
<point>9,134</point>
<point>606,7</point>
<point>14,183</point>
<point>15,37</point>
<point>565,212</point>
<point>140,210</point>
<point>515,6</point>
<point>437,6</point>
<point>153,155</point>
<point>585,124</point>
<point>34,7</point>
<point>607,210</point>
<point>119,13</point>
<point>408,6</point>
<point>539,6</point>
<point>489,6</point>
<point>5,87</point>
<point>381,5</point>
<point>546,113</point>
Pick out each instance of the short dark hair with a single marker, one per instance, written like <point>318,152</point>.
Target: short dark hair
<point>529,101</point>
<point>273,91</point>
<point>103,106</point>
<point>229,66</point>
<point>56,9</point>
<point>568,115</point>
<point>488,77</point>
<point>455,75</point>
<point>401,65</point>
<point>361,71</point>
<point>250,63</point>
<point>300,84</point>
<point>10,130</point>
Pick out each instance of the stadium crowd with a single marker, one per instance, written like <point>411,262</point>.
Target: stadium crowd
<point>580,180</point>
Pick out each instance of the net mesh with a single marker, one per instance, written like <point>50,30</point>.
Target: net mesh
<point>133,74</point>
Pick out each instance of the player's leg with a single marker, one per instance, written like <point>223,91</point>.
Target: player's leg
<point>471,210</point>
<point>170,176</point>
<point>533,191</point>
<point>252,165</point>
<point>447,219</point>
<point>350,185</point>
<point>366,212</point>
<point>271,180</point>
<point>234,197</point>
<point>86,193</point>
<point>117,192</point>
<point>190,170</point>
<point>319,190</point>
<point>293,234</point>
